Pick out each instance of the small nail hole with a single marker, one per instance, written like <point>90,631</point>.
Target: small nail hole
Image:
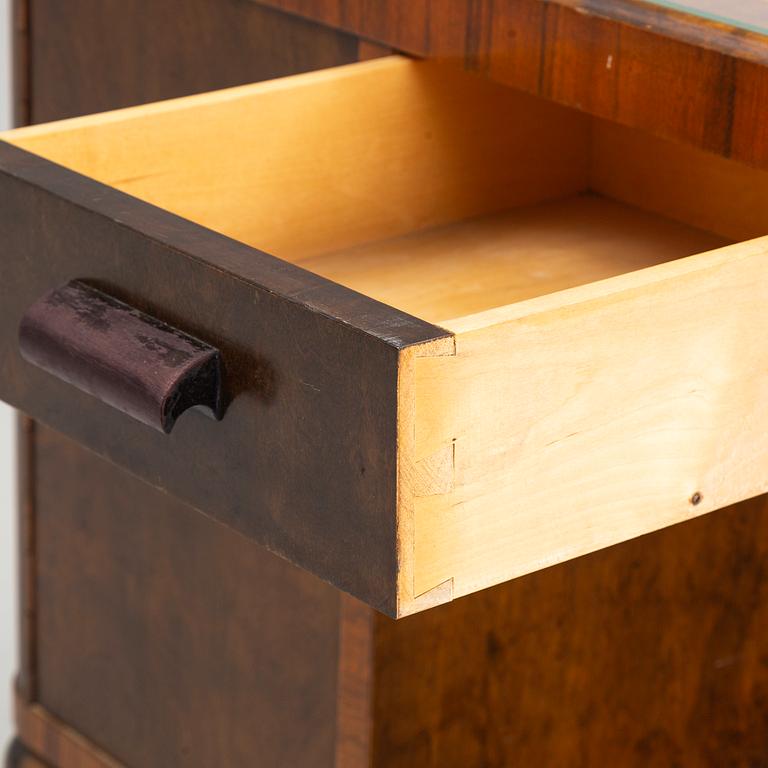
<point>696,499</point>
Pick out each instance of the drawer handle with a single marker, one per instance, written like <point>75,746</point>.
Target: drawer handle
<point>127,359</point>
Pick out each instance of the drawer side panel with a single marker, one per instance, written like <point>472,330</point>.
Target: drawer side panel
<point>595,415</point>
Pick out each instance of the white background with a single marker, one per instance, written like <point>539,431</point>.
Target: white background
<point>7,459</point>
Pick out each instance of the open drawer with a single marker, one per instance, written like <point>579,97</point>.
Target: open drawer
<point>482,345</point>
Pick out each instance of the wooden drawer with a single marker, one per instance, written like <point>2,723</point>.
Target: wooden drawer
<point>484,346</point>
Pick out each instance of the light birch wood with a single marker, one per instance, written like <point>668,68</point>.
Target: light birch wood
<point>678,181</point>
<point>587,417</point>
<point>476,264</point>
<point>334,158</point>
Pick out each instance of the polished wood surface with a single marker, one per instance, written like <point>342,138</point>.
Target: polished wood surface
<point>648,653</point>
<point>630,61</point>
<point>354,687</point>
<point>26,681</point>
<point>20,61</point>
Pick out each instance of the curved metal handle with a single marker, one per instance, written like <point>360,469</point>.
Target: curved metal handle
<point>127,359</point>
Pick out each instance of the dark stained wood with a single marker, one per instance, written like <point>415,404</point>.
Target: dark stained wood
<point>27,677</point>
<point>612,70</point>
<point>168,640</point>
<point>91,55</point>
<point>632,656</point>
<point>18,756</point>
<point>749,136</point>
<point>354,726</point>
<point>21,61</point>
<point>289,339</point>
<point>85,60</point>
<point>673,74</point>
<point>273,47</point>
<point>367,51</point>
<point>126,358</point>
<point>650,653</point>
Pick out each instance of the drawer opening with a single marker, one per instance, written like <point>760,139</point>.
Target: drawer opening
<point>435,191</point>
<point>606,364</point>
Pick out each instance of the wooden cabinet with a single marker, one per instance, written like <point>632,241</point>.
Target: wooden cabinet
<point>472,328</point>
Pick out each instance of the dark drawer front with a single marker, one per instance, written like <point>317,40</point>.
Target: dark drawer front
<point>304,460</point>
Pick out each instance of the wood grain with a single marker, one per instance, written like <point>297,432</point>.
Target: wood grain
<point>682,183</point>
<point>459,269</point>
<point>178,272</point>
<point>749,140</point>
<point>637,639</point>
<point>648,409</point>
<point>630,61</point>
<point>649,653</point>
<point>215,44</point>
<point>349,155</point>
<point>20,61</point>
<point>354,693</point>
<point>64,748</point>
<point>169,640</point>
<point>84,36</point>
<point>470,147</point>
<point>26,682</point>
<point>18,756</point>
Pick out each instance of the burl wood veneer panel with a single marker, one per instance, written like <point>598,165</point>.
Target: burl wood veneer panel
<point>650,653</point>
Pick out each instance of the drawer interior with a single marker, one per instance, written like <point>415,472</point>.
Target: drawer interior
<point>600,384</point>
<point>432,190</point>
